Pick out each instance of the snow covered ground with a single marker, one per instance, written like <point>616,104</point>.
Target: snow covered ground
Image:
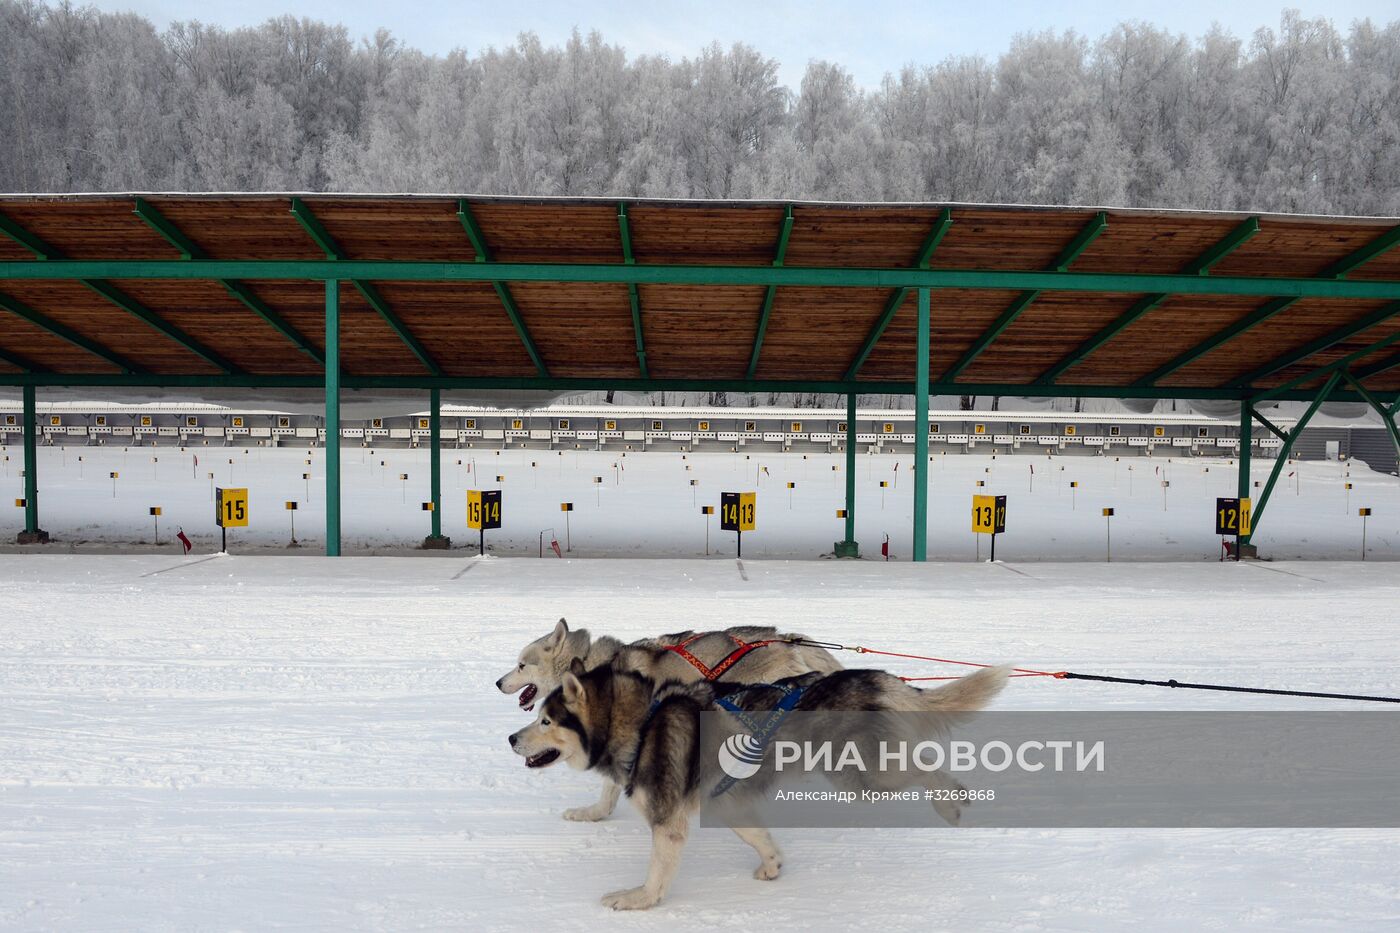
<point>646,507</point>
<point>254,743</point>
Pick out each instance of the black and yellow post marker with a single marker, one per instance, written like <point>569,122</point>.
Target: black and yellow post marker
<point>291,508</point>
<point>737,513</point>
<point>1365,514</point>
<point>483,512</point>
<point>230,511</point>
<point>1108,535</point>
<point>155,517</point>
<point>566,508</point>
<point>1232,519</point>
<point>707,511</point>
<point>989,517</point>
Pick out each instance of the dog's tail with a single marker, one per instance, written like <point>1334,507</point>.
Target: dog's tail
<point>966,694</point>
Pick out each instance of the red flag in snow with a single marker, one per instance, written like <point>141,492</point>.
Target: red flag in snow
<point>196,459</point>
<point>896,466</point>
<point>885,548</point>
<point>1032,466</point>
<point>555,545</point>
<point>185,541</point>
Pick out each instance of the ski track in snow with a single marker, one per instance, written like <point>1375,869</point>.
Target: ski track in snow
<point>258,742</point>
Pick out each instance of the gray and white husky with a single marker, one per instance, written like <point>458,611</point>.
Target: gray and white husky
<point>646,736</point>
<point>543,663</point>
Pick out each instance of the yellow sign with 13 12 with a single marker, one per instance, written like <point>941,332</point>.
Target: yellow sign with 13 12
<point>231,508</point>
<point>989,514</point>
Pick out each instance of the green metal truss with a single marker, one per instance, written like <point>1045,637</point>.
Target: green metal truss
<point>1375,369</point>
<point>1201,265</point>
<point>116,296</point>
<point>779,255</point>
<point>1258,507</point>
<point>331,248</point>
<point>1078,245</point>
<point>20,362</point>
<point>64,332</point>
<point>896,299</point>
<point>1331,368</point>
<point>1335,272</point>
<point>1387,416</point>
<point>821,276</point>
<point>1329,339</point>
<point>484,261</point>
<point>1273,428</point>
<point>190,250</point>
<point>625,229</point>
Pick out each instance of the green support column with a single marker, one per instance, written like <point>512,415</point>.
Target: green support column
<point>1279,462</point>
<point>849,547</point>
<point>1246,442</point>
<point>31,533</point>
<point>332,418</point>
<point>921,431</point>
<point>436,541</point>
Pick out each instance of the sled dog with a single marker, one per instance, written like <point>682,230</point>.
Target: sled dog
<point>646,737</point>
<point>742,654</point>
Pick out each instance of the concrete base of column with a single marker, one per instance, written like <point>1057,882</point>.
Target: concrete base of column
<point>33,537</point>
<point>846,549</point>
<point>438,543</point>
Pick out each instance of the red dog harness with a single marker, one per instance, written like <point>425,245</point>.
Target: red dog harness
<point>716,672</point>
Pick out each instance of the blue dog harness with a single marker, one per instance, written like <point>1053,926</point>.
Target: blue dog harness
<point>762,732</point>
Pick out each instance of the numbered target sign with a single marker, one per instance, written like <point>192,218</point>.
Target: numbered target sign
<point>231,508</point>
<point>989,514</point>
<point>737,511</point>
<point>483,509</point>
<point>1232,516</point>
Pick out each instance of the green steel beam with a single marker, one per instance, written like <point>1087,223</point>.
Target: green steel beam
<point>485,262</point>
<point>1023,301</point>
<point>20,362</point>
<point>190,250</point>
<point>564,385</point>
<point>818,276</point>
<point>1329,339</point>
<point>23,237</point>
<point>64,332</point>
<point>1337,271</point>
<point>1387,417</point>
<point>780,254</point>
<point>307,218</point>
<point>116,296</point>
<point>1201,265</point>
<point>435,460</point>
<point>922,340</point>
<point>1243,476</point>
<point>1257,508</point>
<point>896,299</point>
<point>1379,367</point>
<point>625,228</point>
<point>1331,368</point>
<point>1277,431</point>
<point>332,387</point>
<point>851,549</point>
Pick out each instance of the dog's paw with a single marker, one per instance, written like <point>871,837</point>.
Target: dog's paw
<point>950,810</point>
<point>631,899</point>
<point>585,814</point>
<point>768,871</point>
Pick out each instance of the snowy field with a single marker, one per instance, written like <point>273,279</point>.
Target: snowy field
<point>645,506</point>
<point>253,743</point>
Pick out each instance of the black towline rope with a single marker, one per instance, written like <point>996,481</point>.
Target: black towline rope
<point>1070,675</point>
<point>1104,678</point>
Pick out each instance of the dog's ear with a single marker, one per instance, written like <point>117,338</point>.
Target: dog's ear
<point>556,637</point>
<point>576,667</point>
<point>572,687</point>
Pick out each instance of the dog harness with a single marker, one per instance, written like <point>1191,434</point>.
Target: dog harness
<point>761,732</point>
<point>715,673</point>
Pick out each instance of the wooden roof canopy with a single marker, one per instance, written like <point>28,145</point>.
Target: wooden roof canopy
<point>439,291</point>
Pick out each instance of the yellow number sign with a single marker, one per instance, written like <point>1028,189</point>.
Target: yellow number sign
<point>231,508</point>
<point>737,511</point>
<point>989,514</point>
<point>1232,516</point>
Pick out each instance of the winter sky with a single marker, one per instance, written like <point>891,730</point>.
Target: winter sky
<point>869,38</point>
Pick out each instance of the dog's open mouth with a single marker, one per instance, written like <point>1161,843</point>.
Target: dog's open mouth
<point>545,757</point>
<point>527,697</point>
